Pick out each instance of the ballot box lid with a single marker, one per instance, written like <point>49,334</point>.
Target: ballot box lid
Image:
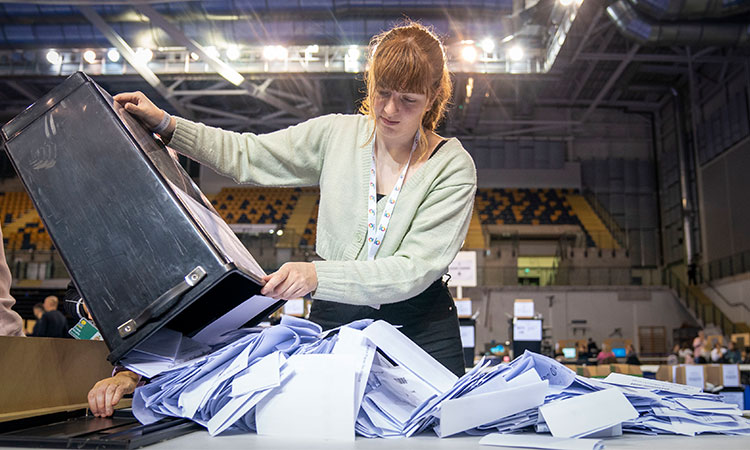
<point>77,429</point>
<point>143,245</point>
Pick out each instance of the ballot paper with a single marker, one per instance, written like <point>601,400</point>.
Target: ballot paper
<point>588,413</point>
<point>368,378</point>
<point>640,382</point>
<point>409,355</point>
<point>528,440</point>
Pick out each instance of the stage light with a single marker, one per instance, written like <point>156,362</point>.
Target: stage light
<point>233,52</point>
<point>89,56</point>
<point>312,49</point>
<point>469,53</point>
<point>194,56</point>
<point>515,53</point>
<point>113,55</point>
<point>53,57</point>
<point>566,2</point>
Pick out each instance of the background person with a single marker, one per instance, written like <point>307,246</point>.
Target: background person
<point>53,323</point>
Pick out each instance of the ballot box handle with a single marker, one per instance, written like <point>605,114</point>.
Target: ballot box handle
<point>163,303</point>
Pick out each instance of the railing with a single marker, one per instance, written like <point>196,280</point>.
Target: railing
<point>724,267</point>
<point>35,265</point>
<point>491,276</point>
<point>620,236</point>
<point>702,308</point>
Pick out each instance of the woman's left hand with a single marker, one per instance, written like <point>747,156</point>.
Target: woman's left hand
<point>292,280</point>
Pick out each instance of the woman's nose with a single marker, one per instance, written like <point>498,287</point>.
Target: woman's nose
<point>391,106</point>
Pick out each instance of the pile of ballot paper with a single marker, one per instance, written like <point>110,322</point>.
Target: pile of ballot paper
<point>367,378</point>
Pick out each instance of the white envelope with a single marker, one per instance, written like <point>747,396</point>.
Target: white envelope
<point>586,414</point>
<point>316,402</point>
<point>469,412</point>
<point>530,440</point>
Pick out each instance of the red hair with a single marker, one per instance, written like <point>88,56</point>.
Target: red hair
<point>409,58</point>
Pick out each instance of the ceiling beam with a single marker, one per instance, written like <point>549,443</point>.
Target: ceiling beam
<point>127,52</point>
<point>611,81</point>
<point>218,65</point>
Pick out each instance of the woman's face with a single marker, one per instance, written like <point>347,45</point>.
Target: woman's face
<point>398,114</point>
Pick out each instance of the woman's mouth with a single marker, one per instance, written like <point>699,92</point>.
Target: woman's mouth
<point>389,122</point>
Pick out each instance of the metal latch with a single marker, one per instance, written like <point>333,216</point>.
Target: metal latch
<point>163,303</point>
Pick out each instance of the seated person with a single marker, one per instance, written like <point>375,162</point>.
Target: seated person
<point>632,357</point>
<point>674,358</point>
<point>733,355</point>
<point>606,356</point>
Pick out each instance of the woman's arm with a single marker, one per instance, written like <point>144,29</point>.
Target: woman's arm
<point>289,157</point>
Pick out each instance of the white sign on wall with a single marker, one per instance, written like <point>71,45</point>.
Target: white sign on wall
<point>523,307</point>
<point>463,307</point>
<point>463,270</point>
<point>527,330</point>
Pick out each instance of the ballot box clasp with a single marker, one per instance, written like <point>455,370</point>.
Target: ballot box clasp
<point>164,302</point>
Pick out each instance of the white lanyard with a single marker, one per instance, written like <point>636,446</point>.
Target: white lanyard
<point>375,231</point>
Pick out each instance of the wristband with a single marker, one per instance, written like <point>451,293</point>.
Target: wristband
<point>163,125</point>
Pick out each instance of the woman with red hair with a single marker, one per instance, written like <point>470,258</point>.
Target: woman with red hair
<point>395,198</point>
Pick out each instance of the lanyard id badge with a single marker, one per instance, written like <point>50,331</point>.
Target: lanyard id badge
<point>375,230</point>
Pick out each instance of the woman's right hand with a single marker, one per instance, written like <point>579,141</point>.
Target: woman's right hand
<point>137,104</point>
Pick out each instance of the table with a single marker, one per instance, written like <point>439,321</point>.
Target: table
<point>428,441</point>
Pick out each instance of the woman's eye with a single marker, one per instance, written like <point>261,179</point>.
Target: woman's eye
<point>384,93</point>
<point>409,100</point>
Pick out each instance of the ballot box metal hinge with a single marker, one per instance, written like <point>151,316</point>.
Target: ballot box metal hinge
<point>163,303</point>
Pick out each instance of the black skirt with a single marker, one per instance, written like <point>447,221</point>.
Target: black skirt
<point>429,319</point>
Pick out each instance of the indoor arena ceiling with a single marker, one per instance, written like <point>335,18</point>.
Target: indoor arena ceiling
<point>258,65</point>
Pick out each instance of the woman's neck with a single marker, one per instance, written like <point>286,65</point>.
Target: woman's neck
<point>397,150</point>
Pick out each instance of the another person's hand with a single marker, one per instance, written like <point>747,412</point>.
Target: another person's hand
<point>108,392</point>
<point>137,104</point>
<point>292,280</point>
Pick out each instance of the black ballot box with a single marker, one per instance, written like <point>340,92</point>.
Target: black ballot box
<point>142,244</point>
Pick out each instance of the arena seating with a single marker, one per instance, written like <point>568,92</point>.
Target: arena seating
<point>256,205</point>
<point>23,229</point>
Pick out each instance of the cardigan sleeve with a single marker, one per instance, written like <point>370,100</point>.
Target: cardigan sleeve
<point>432,242</point>
<point>289,157</point>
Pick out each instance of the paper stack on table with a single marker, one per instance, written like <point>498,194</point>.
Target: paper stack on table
<point>368,378</point>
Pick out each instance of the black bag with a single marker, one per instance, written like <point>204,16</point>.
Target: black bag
<point>142,244</point>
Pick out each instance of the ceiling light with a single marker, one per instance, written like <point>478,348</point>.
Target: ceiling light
<point>144,54</point>
<point>566,2</point>
<point>312,49</point>
<point>211,51</point>
<point>353,52</point>
<point>469,53</point>
<point>272,52</point>
<point>194,56</point>
<point>487,45</point>
<point>89,56</point>
<point>113,55</point>
<point>53,57</point>
<point>233,52</point>
<point>515,53</point>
